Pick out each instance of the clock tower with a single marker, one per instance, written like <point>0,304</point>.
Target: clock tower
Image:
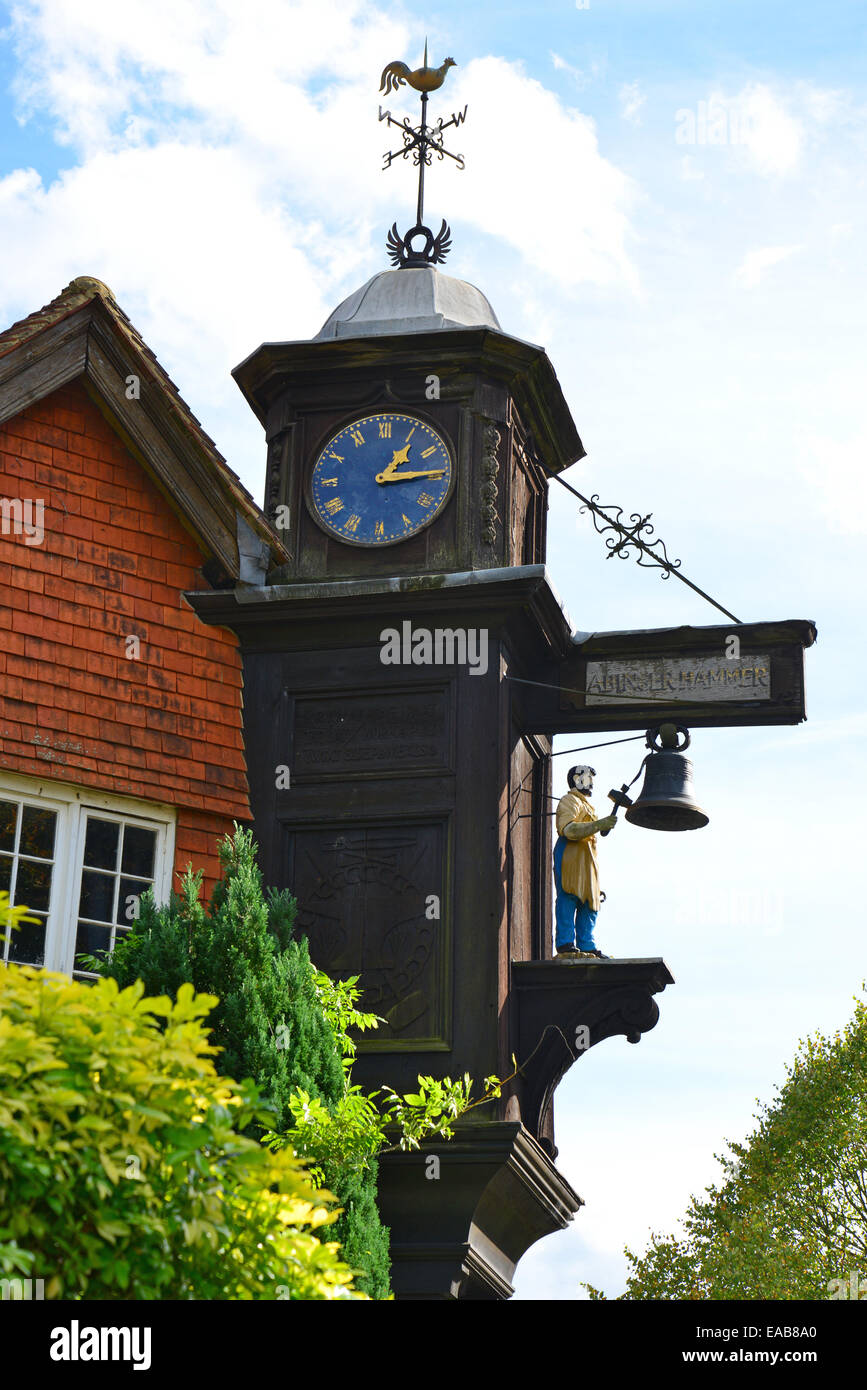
<point>399,786</point>
<point>400,777</point>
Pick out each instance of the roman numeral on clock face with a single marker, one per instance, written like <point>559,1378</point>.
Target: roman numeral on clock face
<point>333,505</point>
<point>424,499</point>
<point>426,453</point>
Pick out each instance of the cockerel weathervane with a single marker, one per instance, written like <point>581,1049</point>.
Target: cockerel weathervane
<point>421,143</point>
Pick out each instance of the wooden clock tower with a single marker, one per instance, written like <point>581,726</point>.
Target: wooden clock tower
<point>396,787</point>
<point>404,671</point>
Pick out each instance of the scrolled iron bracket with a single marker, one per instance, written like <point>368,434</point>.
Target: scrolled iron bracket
<point>630,536</point>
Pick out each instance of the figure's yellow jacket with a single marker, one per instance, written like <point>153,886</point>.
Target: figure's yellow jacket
<point>579,871</point>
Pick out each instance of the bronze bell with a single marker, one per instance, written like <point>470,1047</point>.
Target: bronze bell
<point>666,801</point>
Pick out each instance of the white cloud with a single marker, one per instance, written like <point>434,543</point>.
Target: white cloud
<point>754,123</point>
<point>571,215</point>
<point>755,263</point>
<point>560,65</point>
<point>580,76</point>
<point>824,105</point>
<point>171,229</point>
<point>229,190</point>
<point>631,101</point>
<point>111,77</point>
<point>772,137</point>
<point>281,135</point>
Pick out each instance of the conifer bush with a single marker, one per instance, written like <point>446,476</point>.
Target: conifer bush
<point>269,1022</point>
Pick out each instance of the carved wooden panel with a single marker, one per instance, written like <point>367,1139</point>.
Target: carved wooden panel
<point>373,901</point>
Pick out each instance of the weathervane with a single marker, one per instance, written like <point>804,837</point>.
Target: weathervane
<point>421,142</point>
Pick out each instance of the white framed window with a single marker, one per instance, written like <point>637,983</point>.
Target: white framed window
<point>80,860</point>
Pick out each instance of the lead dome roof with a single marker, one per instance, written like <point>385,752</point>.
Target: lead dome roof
<point>416,300</point>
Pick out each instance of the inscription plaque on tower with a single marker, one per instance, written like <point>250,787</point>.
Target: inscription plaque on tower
<point>369,733</point>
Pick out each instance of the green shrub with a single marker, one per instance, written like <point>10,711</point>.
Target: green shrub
<point>124,1169</point>
<point>269,1023</point>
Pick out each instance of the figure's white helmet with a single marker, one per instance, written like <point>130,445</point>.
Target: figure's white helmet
<point>580,778</point>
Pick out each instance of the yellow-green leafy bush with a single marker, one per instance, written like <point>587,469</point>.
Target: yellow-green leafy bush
<point>124,1172</point>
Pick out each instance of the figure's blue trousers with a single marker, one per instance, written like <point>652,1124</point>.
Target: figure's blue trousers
<point>575,919</point>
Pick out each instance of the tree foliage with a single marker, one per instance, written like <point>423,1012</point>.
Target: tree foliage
<point>791,1212</point>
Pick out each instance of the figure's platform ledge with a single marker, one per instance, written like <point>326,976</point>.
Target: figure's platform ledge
<point>626,969</point>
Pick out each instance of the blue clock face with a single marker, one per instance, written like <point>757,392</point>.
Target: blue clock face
<point>381,479</point>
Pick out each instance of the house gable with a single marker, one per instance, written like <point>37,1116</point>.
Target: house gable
<point>84,335</point>
<point>110,680</point>
<point>112,506</point>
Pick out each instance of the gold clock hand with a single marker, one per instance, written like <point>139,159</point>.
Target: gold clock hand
<point>393,477</point>
<point>398,456</point>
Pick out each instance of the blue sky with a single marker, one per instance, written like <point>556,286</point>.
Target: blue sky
<point>671,198</point>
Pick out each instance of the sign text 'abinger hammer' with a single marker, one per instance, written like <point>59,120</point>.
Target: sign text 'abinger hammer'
<point>693,678</point>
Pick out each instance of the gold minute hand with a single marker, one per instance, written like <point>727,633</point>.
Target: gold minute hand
<point>390,476</point>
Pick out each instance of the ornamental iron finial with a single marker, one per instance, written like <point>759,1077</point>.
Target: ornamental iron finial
<point>420,143</point>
